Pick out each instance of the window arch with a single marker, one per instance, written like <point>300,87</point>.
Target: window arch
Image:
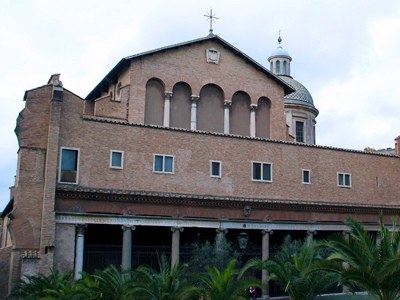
<point>278,67</point>
<point>263,118</point>
<point>210,109</point>
<point>154,105</point>
<point>284,67</point>
<point>180,106</point>
<point>118,91</point>
<point>239,115</point>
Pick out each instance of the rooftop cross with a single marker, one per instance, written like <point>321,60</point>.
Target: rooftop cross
<point>210,16</point>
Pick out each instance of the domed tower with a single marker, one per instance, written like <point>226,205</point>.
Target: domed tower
<point>299,106</point>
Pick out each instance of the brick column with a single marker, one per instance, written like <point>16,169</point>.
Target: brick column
<point>193,112</point>
<point>265,256</point>
<point>48,226</point>
<point>127,246</point>
<point>227,105</point>
<point>253,108</point>
<point>80,233</point>
<point>175,245</point>
<point>167,107</point>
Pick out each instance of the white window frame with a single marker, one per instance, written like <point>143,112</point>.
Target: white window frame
<point>220,168</point>
<point>122,159</point>
<point>163,164</point>
<point>344,180</point>
<point>262,163</point>
<point>77,165</point>
<point>302,176</point>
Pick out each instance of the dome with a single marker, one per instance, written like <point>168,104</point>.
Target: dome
<point>300,96</point>
<point>279,52</point>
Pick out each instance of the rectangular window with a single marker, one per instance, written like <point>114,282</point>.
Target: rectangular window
<point>69,165</point>
<point>116,159</point>
<point>215,169</point>
<point>299,132</point>
<point>262,172</point>
<point>163,163</point>
<point>306,177</point>
<point>344,179</point>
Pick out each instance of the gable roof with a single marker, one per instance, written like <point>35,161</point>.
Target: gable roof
<point>112,75</point>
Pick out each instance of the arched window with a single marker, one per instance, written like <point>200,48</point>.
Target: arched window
<point>210,109</point>
<point>263,118</point>
<point>278,67</point>
<point>284,68</point>
<point>180,106</point>
<point>239,115</point>
<point>272,66</point>
<point>119,91</point>
<point>154,106</point>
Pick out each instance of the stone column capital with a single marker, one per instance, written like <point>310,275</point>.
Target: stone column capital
<point>194,97</point>
<point>80,228</point>
<point>180,229</point>
<point>267,231</point>
<point>125,227</point>
<point>311,232</point>
<point>222,230</point>
<point>227,103</point>
<point>167,95</point>
<point>253,107</point>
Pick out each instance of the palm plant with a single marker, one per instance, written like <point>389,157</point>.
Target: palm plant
<point>373,263</point>
<point>111,284</point>
<point>291,272</point>
<point>168,284</point>
<point>54,286</point>
<point>225,285</point>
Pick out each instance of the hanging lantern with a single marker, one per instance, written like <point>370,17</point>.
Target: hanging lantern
<point>243,238</point>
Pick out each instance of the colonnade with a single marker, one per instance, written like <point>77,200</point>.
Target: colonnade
<point>193,113</point>
<point>175,245</point>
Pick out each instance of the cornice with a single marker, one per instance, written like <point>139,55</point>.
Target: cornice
<point>112,195</point>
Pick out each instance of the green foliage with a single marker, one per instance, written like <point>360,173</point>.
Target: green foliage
<point>291,247</point>
<point>112,284</point>
<point>292,272</point>
<point>225,285</point>
<point>369,149</point>
<point>54,286</point>
<point>216,255</point>
<point>168,284</point>
<point>374,264</point>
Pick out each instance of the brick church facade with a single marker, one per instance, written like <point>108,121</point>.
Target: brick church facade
<point>178,144</point>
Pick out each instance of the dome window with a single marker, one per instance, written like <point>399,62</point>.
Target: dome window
<point>284,68</point>
<point>278,67</point>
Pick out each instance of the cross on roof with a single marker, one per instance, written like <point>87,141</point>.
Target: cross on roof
<point>210,16</point>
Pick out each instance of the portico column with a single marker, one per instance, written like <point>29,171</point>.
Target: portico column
<point>127,246</point>
<point>265,256</point>
<point>253,108</point>
<point>167,107</point>
<point>346,265</point>
<point>227,104</point>
<point>193,112</point>
<point>310,234</point>
<point>175,245</point>
<point>80,232</point>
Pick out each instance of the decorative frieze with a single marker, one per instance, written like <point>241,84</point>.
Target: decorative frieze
<point>30,253</point>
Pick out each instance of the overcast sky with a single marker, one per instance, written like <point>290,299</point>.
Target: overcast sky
<point>347,53</point>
